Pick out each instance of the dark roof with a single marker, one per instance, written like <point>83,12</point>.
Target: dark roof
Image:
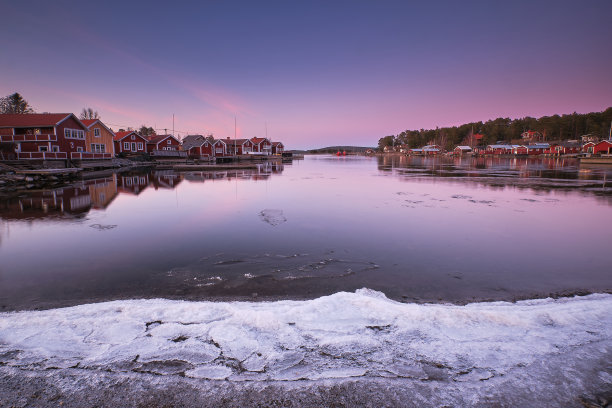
<point>258,140</point>
<point>121,135</point>
<point>33,119</point>
<point>155,139</point>
<point>235,141</point>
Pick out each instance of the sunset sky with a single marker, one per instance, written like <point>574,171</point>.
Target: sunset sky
<point>318,73</point>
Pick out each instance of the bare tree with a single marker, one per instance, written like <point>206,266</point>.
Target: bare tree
<point>88,113</point>
<point>14,104</point>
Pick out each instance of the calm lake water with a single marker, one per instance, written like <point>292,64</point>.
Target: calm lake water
<point>416,229</point>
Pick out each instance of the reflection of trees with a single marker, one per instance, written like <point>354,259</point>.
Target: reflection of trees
<point>538,173</point>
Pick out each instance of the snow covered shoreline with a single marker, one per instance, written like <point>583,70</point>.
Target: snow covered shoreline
<point>345,337</point>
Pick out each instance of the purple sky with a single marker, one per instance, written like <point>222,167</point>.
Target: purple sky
<point>318,73</point>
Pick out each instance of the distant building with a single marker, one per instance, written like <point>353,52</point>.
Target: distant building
<point>162,142</point>
<point>262,145</point>
<point>532,136</point>
<point>603,147</point>
<point>278,147</point>
<point>589,138</point>
<point>459,150</point>
<point>130,142</point>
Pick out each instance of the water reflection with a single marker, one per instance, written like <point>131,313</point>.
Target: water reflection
<point>76,200</point>
<point>538,174</point>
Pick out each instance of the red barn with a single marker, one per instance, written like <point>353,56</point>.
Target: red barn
<point>219,148</point>
<point>198,146</point>
<point>278,147</point>
<point>603,147</point>
<point>261,145</point>
<point>588,147</point>
<point>43,135</point>
<point>130,142</point>
<point>162,142</point>
<point>239,146</point>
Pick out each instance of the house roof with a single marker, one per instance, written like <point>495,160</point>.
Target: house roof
<point>538,146</point>
<point>236,141</point>
<point>190,141</point>
<point>34,119</point>
<point>155,139</point>
<point>463,147</point>
<point>276,143</point>
<point>501,146</point>
<point>90,122</point>
<point>121,135</point>
<point>258,140</point>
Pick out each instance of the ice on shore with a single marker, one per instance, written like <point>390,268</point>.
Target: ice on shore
<point>339,336</point>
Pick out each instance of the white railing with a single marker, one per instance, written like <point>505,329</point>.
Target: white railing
<point>42,155</point>
<point>41,137</point>
<point>90,156</point>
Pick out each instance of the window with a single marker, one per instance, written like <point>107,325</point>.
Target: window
<point>139,145</point>
<point>79,149</point>
<point>43,149</point>
<point>133,137</point>
<point>126,145</point>
<point>97,132</point>
<point>102,148</point>
<point>55,148</point>
<point>168,141</point>
<point>66,132</point>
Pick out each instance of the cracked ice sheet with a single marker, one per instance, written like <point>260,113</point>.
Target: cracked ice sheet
<point>345,335</point>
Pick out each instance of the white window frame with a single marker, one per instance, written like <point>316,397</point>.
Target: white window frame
<point>126,145</point>
<point>96,132</point>
<point>43,148</point>
<point>140,146</point>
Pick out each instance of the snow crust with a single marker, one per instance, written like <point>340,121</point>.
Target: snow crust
<point>344,335</point>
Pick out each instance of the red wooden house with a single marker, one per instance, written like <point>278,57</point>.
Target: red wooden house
<point>130,142</point>
<point>162,142</point>
<point>236,147</point>
<point>43,135</point>
<point>219,148</point>
<point>603,147</point>
<point>278,148</point>
<point>563,148</point>
<point>198,146</point>
<point>499,149</point>
<point>261,145</point>
<point>588,147</point>
<point>537,149</point>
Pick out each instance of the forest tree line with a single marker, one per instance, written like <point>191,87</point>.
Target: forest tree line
<point>506,130</point>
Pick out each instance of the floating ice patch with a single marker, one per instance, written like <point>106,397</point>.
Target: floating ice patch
<point>272,217</point>
<point>345,335</point>
<point>101,227</point>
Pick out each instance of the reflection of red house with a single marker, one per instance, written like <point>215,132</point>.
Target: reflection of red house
<point>162,142</point>
<point>165,179</point>
<point>55,203</point>
<point>43,135</point>
<point>603,147</point>
<point>133,183</point>
<point>129,142</point>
